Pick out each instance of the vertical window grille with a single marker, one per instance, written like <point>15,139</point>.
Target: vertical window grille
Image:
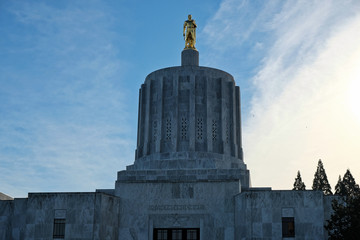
<point>199,129</point>
<point>288,227</point>
<point>168,129</point>
<point>214,130</point>
<point>59,228</point>
<point>184,128</point>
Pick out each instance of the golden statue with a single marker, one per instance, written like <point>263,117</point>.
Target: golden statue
<point>190,34</point>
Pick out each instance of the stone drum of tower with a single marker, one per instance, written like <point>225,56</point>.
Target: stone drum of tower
<point>189,118</point>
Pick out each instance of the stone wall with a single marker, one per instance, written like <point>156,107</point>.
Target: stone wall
<point>258,214</point>
<point>87,216</point>
<point>6,214</point>
<point>77,209</point>
<point>107,214</point>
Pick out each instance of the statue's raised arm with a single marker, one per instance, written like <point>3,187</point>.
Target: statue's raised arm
<point>189,33</point>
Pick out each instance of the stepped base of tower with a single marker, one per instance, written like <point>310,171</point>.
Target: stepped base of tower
<point>179,167</point>
<point>189,175</point>
<point>187,160</point>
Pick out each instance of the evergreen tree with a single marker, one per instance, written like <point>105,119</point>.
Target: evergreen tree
<point>320,180</point>
<point>351,188</point>
<point>299,184</point>
<point>344,222</point>
<point>340,188</point>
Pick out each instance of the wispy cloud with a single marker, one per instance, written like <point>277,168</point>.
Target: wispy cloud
<point>227,28</point>
<point>65,122</point>
<point>299,112</point>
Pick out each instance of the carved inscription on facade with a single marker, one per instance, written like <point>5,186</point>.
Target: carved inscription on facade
<point>176,207</point>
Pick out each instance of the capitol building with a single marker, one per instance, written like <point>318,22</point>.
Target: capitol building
<point>189,179</point>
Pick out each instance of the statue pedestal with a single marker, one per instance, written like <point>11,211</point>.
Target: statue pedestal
<point>189,57</point>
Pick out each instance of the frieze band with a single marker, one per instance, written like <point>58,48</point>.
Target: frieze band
<point>176,207</point>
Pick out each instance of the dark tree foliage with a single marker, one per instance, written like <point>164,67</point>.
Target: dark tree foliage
<point>351,188</point>
<point>320,180</point>
<point>340,188</point>
<point>299,184</point>
<point>345,219</point>
<point>344,223</point>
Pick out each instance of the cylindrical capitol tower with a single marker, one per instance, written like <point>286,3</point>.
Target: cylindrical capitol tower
<point>189,161</point>
<point>189,117</point>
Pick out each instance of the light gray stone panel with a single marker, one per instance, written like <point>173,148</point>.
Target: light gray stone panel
<point>238,123</point>
<point>147,118</point>
<point>201,103</point>
<point>192,113</point>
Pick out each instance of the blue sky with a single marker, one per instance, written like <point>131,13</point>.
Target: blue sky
<point>71,70</point>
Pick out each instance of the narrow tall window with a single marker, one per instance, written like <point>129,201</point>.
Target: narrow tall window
<point>288,227</point>
<point>214,130</point>
<point>184,128</point>
<point>199,129</point>
<point>168,129</point>
<point>59,228</point>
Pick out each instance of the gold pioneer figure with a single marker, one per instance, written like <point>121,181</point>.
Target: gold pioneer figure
<point>190,35</point>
